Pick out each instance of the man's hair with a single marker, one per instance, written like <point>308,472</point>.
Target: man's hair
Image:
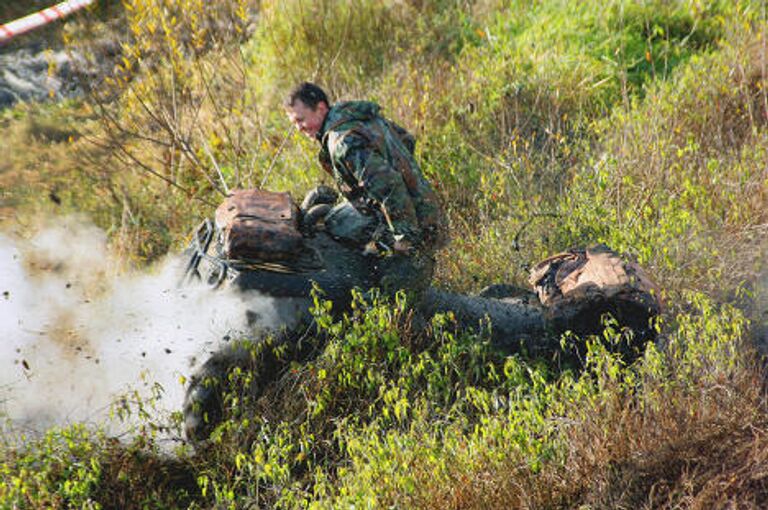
<point>308,93</point>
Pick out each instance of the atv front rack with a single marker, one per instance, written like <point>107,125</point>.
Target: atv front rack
<point>219,269</point>
<point>198,252</point>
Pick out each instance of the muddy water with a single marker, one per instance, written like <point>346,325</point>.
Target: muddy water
<point>77,335</point>
<point>34,73</point>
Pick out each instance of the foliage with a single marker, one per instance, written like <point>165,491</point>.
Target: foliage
<point>77,467</point>
<point>384,418</point>
<point>69,470</point>
<point>388,423</point>
<point>699,177</point>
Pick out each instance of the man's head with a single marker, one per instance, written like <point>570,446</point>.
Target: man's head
<point>307,106</point>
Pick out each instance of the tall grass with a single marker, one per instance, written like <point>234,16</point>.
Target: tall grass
<point>385,419</point>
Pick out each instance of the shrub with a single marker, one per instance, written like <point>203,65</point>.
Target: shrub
<point>681,175</point>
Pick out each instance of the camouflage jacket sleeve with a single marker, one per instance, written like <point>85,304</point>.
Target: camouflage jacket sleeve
<point>359,162</point>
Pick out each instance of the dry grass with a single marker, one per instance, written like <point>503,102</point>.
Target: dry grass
<point>701,449</point>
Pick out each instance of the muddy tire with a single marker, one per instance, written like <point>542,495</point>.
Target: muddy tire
<point>241,370</point>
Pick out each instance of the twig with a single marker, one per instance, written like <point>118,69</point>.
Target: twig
<point>274,158</point>
<point>215,165</point>
<point>516,240</point>
<point>496,161</point>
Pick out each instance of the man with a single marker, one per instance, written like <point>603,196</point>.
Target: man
<point>372,162</point>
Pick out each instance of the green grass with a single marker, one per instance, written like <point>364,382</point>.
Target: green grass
<point>543,124</point>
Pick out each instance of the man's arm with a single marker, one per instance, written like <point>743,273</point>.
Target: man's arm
<point>382,183</point>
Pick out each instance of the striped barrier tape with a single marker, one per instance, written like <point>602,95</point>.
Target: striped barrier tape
<point>40,18</point>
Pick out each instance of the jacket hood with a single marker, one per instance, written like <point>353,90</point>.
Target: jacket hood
<point>346,111</point>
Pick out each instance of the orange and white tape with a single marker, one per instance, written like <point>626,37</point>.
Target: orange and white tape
<point>40,18</point>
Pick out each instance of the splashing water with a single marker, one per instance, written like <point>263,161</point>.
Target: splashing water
<point>74,335</point>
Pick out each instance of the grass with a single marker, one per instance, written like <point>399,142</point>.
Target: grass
<point>543,125</point>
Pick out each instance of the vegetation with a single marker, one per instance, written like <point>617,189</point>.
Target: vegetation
<point>543,124</point>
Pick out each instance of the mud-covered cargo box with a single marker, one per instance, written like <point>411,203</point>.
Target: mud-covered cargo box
<point>259,225</point>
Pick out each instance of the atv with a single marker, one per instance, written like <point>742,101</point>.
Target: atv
<point>261,242</point>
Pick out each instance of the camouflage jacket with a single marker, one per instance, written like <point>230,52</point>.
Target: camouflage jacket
<point>372,161</point>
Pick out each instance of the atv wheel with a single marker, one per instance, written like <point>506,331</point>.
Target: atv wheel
<point>230,379</point>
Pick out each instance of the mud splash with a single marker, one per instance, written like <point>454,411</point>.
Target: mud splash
<point>77,336</point>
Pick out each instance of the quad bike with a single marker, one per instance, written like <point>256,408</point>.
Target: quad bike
<point>260,242</point>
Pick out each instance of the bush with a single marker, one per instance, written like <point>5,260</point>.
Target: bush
<point>680,177</point>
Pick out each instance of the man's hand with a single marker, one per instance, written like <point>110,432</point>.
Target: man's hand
<point>319,195</point>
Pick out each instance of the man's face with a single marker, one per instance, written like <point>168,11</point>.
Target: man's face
<point>307,120</point>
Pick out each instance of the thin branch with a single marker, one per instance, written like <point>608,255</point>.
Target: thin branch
<point>216,166</point>
<point>274,158</point>
<point>516,240</point>
<point>154,172</point>
<point>495,161</point>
